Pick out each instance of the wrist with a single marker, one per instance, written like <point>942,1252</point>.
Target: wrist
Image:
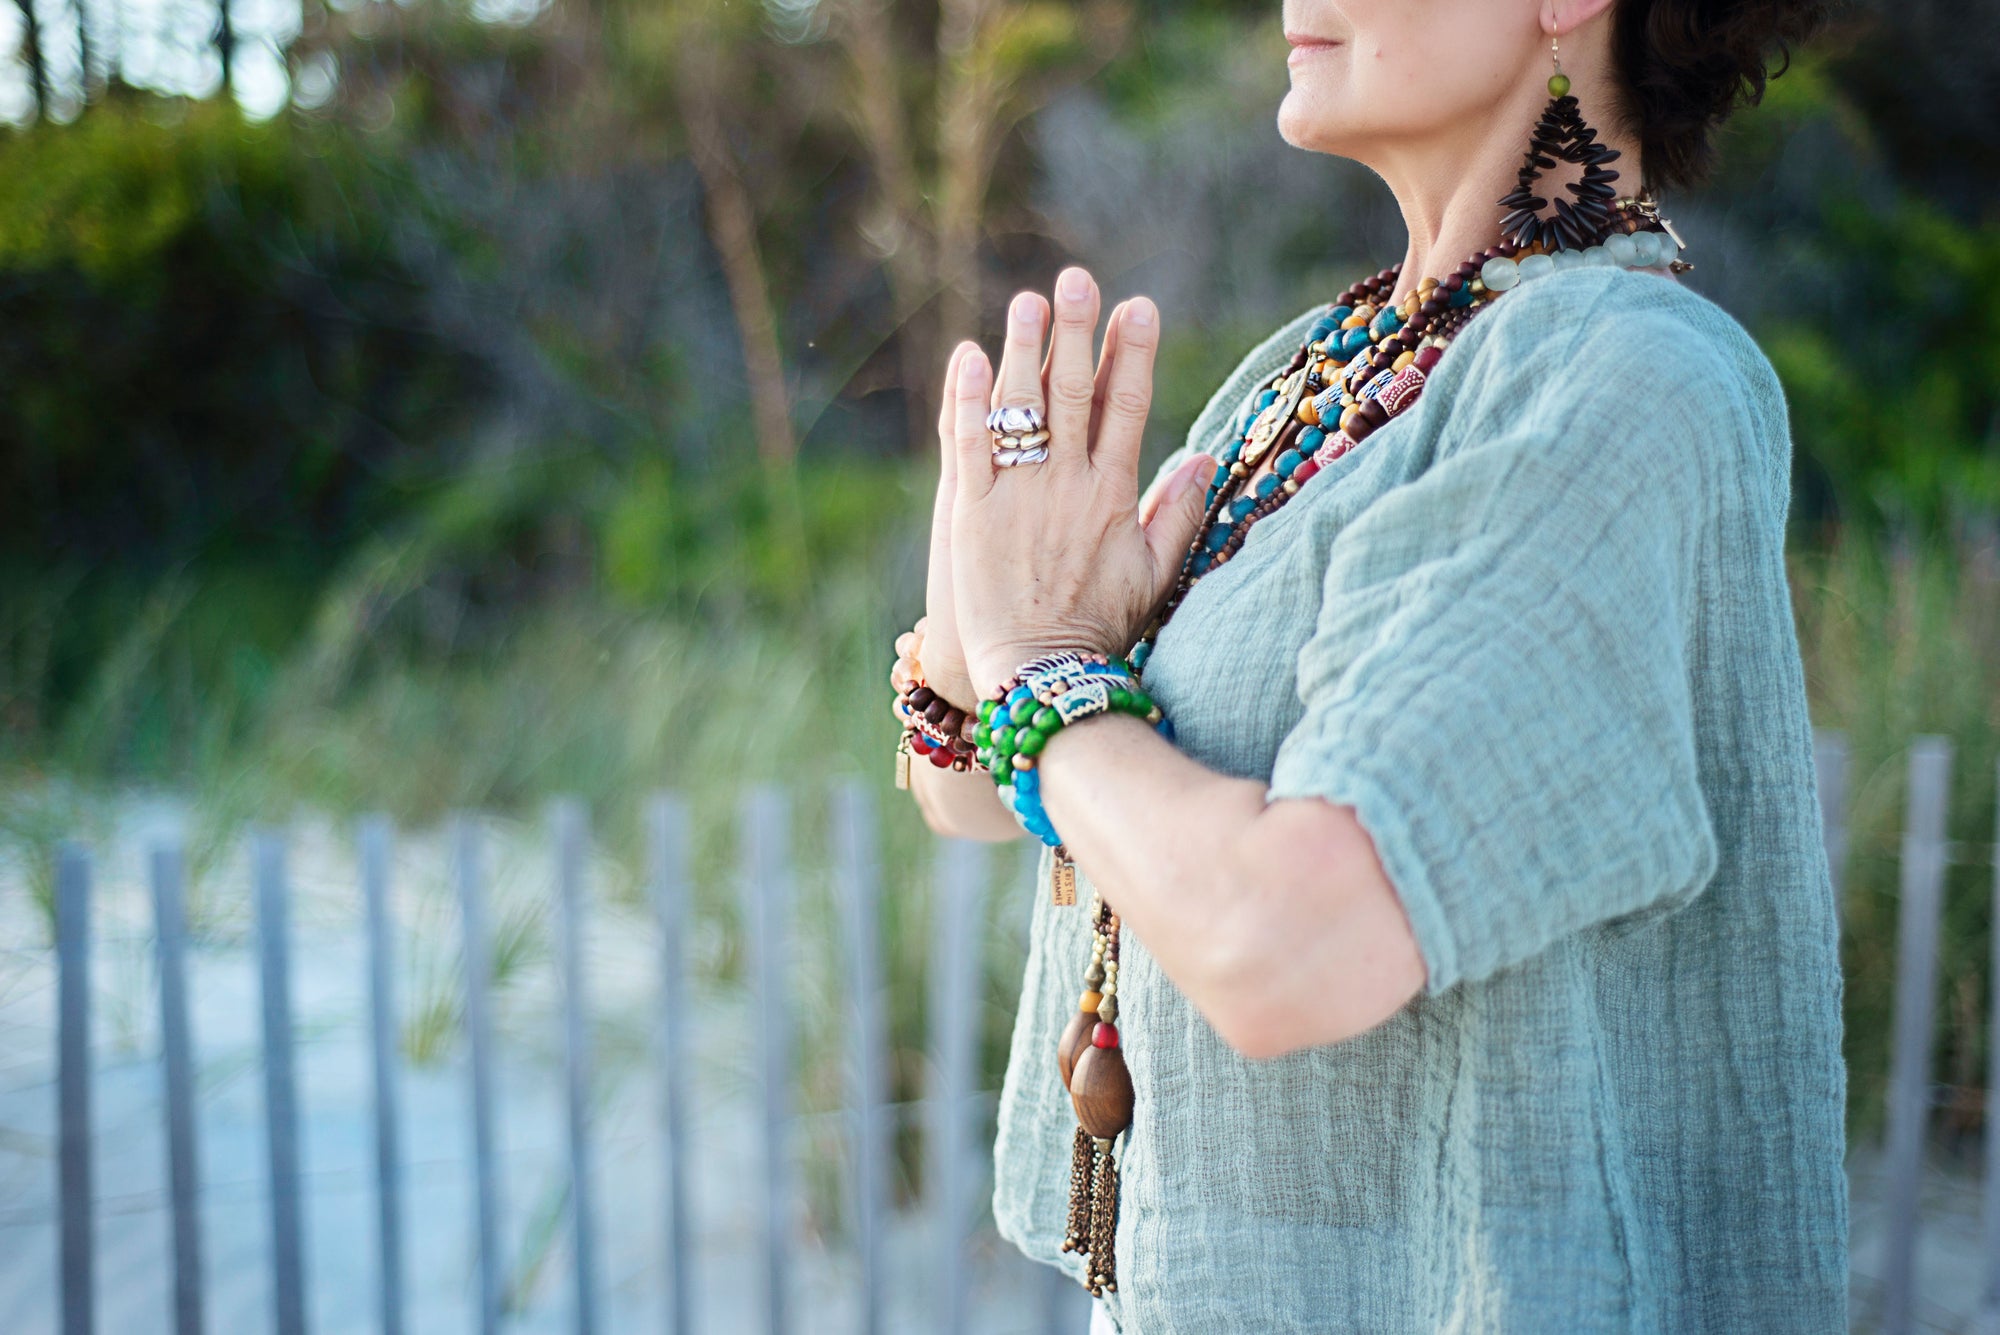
<point>1046,696</point>
<point>999,670</point>
<point>955,687</point>
<point>1096,725</point>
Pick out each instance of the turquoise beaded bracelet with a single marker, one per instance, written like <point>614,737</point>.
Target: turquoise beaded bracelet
<point>1045,696</point>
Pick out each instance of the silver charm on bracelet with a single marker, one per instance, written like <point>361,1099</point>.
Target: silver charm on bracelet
<point>1020,436</point>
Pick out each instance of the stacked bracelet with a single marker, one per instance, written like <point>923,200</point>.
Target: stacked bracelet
<point>1043,697</point>
<point>934,729</point>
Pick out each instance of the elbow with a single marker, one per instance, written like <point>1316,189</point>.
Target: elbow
<point>1261,1026</point>
<point>1272,1021</point>
<point>1251,1039</point>
<point>1316,948</point>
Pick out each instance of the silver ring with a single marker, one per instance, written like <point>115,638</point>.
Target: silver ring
<point>1020,436</point>
<point>1016,421</point>
<point>1005,457</point>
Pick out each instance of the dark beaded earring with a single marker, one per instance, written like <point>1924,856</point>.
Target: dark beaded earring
<point>1562,135</point>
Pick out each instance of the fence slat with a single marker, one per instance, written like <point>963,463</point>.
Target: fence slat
<point>1922,897</point>
<point>667,878</point>
<point>476,951</point>
<point>1830,766</point>
<point>765,837</point>
<point>1991,1204</point>
<point>376,848</point>
<point>177,1071</point>
<point>955,985</point>
<point>859,885</point>
<point>281,1112</point>
<point>73,1086</point>
<point>569,826</point>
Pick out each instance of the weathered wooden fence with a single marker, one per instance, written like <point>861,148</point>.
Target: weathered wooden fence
<point>765,858</point>
<point>952,1108</point>
<point>1926,854</point>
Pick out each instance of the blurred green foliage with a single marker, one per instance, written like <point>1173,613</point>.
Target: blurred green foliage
<point>208,342</point>
<point>1896,400</point>
<point>1900,642</point>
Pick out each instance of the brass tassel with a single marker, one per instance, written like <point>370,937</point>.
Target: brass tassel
<point>1104,1223</point>
<point>1077,1238</point>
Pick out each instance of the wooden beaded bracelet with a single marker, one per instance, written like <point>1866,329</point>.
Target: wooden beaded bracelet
<point>933,728</point>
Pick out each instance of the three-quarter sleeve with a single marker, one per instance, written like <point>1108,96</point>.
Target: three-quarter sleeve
<point>1498,679</point>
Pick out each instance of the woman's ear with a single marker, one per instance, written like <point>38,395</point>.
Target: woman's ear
<point>1562,17</point>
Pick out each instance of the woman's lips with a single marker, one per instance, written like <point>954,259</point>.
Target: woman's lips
<point>1305,46</point>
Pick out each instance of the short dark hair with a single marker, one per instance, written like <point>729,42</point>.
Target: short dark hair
<point>1685,65</point>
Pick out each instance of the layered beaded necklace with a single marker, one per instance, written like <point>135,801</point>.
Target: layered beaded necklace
<point>1363,363</point>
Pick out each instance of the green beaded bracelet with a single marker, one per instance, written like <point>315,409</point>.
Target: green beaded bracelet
<point>1016,726</point>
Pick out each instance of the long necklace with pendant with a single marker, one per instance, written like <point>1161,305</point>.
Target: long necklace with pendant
<point>1363,363</point>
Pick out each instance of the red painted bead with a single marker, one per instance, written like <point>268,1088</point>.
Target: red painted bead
<point>1104,1036</point>
<point>941,757</point>
<point>1304,472</point>
<point>921,744</point>
<point>1427,358</point>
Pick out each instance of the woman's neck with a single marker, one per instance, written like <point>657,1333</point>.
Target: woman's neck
<point>1447,184</point>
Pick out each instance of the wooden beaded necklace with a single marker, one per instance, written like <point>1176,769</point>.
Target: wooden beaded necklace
<point>1350,358</point>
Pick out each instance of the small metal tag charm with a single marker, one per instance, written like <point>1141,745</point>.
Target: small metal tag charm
<point>903,762</point>
<point>1062,881</point>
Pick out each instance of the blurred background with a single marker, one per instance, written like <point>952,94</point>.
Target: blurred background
<point>428,408</point>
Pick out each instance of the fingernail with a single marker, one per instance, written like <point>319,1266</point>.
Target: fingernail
<point>1023,309</point>
<point>972,375</point>
<point>1075,285</point>
<point>1139,311</point>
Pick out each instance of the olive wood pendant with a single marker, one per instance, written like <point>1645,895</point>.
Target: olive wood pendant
<point>1076,1037</point>
<point>1100,1089</point>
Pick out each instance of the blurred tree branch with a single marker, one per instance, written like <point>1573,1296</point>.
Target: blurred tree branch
<point>991,64</point>
<point>701,71</point>
<point>225,45</point>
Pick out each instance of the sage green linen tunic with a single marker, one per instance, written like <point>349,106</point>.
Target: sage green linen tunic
<point>1536,632</point>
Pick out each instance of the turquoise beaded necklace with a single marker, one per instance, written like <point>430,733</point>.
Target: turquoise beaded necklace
<point>1363,362</point>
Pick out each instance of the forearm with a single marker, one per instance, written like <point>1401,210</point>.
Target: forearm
<point>1276,920</point>
<point>962,805</point>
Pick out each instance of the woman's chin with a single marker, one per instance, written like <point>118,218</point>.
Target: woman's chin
<point>1308,121</point>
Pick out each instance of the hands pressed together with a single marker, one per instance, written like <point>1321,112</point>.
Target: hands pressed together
<point>1063,554</point>
<point>1066,554</point>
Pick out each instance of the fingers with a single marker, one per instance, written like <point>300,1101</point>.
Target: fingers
<point>1104,360</point>
<point>1019,384</point>
<point>1071,377</point>
<point>1128,391</point>
<point>972,444</point>
<point>947,415</point>
<point>1172,519</point>
<point>1149,504</point>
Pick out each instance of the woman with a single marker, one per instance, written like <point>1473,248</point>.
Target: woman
<point>1454,939</point>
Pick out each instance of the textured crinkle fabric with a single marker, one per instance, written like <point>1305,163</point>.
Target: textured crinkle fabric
<point>1536,632</point>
